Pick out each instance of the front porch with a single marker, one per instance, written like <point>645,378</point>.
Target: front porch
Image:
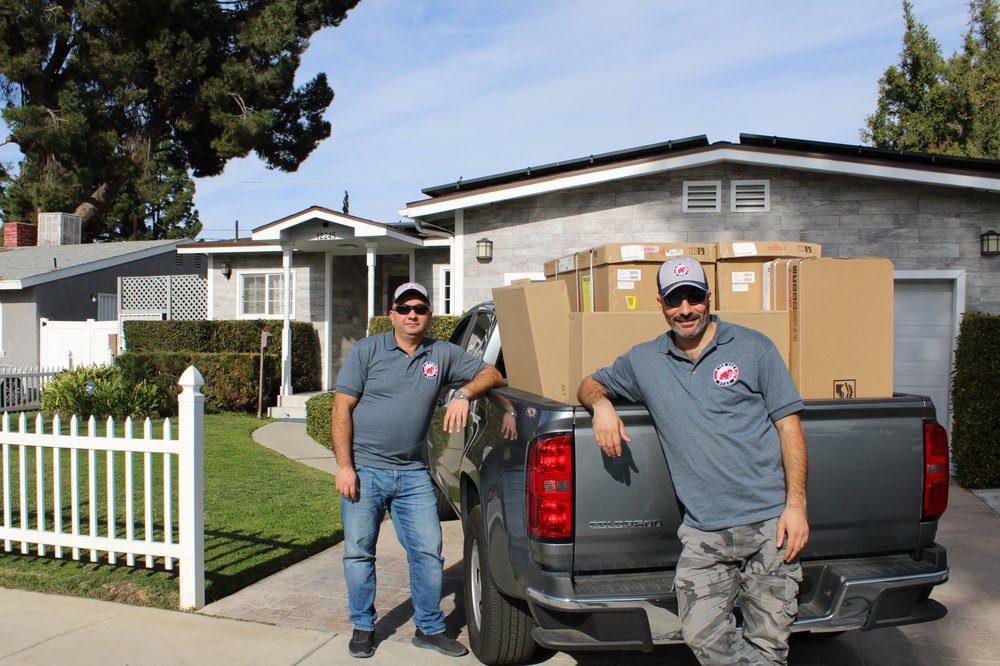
<point>333,270</point>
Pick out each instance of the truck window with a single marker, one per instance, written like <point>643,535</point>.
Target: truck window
<point>477,336</point>
<point>459,333</point>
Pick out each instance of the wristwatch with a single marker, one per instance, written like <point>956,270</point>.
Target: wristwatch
<point>459,395</point>
<point>510,412</point>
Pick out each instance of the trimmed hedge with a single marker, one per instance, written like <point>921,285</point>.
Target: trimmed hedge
<point>441,328</point>
<point>230,378</point>
<point>231,336</point>
<point>318,419</point>
<point>975,402</point>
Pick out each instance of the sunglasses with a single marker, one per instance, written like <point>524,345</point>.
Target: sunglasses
<point>692,296</point>
<point>419,309</point>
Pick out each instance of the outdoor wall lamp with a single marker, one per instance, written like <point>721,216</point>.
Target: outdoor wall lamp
<point>225,269</point>
<point>989,243</point>
<point>484,250</point>
<point>93,298</point>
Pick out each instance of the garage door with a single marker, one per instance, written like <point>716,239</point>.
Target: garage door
<point>924,333</point>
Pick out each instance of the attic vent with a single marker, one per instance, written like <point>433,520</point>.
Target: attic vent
<point>178,260</point>
<point>702,196</point>
<point>747,196</point>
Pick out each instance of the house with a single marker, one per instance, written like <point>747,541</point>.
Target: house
<point>926,213</point>
<point>64,281</point>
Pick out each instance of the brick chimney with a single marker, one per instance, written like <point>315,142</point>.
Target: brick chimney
<point>19,234</point>
<point>59,229</point>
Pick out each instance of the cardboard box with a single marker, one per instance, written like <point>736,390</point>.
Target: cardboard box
<point>556,349</point>
<point>621,277</point>
<point>596,339</point>
<point>775,325</point>
<point>565,269</point>
<point>842,327</point>
<point>776,294</point>
<point>740,270</point>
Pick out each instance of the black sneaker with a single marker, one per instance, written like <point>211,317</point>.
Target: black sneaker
<point>439,642</point>
<point>361,644</point>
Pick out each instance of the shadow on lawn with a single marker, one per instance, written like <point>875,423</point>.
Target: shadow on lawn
<point>227,555</point>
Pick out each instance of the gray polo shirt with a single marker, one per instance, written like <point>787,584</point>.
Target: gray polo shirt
<point>396,395</point>
<point>715,420</point>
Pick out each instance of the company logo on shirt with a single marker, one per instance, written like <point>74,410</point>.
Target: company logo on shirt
<point>430,369</point>
<point>726,374</point>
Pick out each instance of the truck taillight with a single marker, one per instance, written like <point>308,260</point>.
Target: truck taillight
<point>935,471</point>
<point>550,487</point>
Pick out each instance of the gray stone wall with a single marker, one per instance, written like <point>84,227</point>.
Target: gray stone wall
<point>918,227</point>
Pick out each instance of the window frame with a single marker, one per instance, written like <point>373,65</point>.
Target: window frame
<point>242,274</point>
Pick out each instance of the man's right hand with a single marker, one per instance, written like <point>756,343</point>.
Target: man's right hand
<point>347,483</point>
<point>609,429</point>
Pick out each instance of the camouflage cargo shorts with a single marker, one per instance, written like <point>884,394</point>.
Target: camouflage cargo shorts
<point>739,564</point>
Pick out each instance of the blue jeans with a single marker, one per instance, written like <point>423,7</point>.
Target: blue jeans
<point>409,497</point>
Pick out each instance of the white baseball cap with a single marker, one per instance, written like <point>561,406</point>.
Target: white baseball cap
<point>680,272</point>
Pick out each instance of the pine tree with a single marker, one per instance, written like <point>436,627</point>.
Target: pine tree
<point>931,105</point>
<point>95,92</point>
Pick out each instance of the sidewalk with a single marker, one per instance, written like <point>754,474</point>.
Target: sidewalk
<point>298,615</point>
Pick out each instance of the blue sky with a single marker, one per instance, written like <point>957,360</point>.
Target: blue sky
<point>428,91</point>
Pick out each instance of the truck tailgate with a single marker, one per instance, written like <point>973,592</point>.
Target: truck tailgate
<point>865,486</point>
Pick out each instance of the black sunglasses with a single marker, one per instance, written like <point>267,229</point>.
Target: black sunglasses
<point>692,296</point>
<point>420,309</point>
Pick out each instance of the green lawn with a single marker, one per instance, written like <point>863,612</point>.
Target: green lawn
<point>263,512</point>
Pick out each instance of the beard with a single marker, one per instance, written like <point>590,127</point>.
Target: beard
<point>702,320</point>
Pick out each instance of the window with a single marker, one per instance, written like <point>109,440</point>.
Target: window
<point>702,196</point>
<point>445,299</point>
<point>262,295</point>
<point>107,307</point>
<point>749,196</point>
<point>479,335</point>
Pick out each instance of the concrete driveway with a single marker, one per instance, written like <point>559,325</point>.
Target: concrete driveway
<point>311,595</point>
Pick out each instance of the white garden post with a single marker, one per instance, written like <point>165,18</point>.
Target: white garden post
<point>191,415</point>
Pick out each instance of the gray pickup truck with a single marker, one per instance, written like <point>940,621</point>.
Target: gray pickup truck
<point>571,550</point>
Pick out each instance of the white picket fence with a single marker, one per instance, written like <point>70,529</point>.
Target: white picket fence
<point>21,388</point>
<point>82,529</point>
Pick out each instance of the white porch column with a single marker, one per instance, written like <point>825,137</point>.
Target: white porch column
<point>210,288</point>
<point>458,263</point>
<point>328,333</point>
<point>286,327</point>
<point>413,265</point>
<point>370,260</point>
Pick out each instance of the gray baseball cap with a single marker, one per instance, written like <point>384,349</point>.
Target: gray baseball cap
<point>410,290</point>
<point>680,272</point>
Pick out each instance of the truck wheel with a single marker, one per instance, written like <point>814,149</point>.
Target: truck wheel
<point>499,626</point>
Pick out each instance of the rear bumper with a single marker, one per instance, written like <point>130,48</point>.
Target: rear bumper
<point>835,596</point>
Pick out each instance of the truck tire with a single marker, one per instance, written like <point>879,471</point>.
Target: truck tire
<point>499,626</point>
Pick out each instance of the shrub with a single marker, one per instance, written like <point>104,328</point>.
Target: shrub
<point>229,336</point>
<point>100,391</point>
<point>975,402</point>
<point>441,328</point>
<point>318,418</point>
<point>230,378</point>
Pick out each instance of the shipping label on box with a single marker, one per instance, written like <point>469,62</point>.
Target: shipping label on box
<point>744,249</point>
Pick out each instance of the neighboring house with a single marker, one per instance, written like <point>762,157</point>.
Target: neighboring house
<point>924,212</point>
<point>71,282</point>
<point>339,269</point>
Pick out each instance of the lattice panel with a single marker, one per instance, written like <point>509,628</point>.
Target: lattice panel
<point>188,297</point>
<point>176,296</point>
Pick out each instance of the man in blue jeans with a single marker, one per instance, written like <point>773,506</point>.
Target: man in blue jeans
<point>385,398</point>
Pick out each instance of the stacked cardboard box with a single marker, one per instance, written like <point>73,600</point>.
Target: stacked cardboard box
<point>830,319</point>
<point>740,270</point>
<point>621,277</point>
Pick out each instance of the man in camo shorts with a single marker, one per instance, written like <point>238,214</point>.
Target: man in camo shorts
<point>726,414</point>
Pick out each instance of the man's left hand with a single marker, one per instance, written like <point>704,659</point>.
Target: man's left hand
<point>793,532</point>
<point>456,416</point>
